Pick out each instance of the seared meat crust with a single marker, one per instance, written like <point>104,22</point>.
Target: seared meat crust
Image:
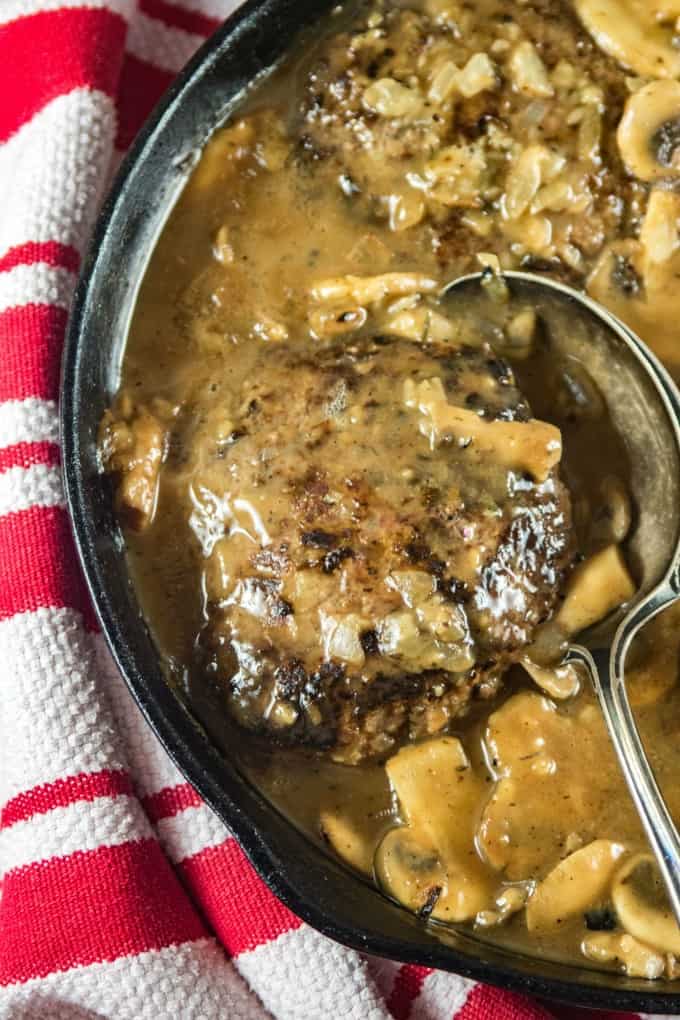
<point>364,582</point>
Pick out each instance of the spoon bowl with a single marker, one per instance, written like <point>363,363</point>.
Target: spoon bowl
<point>642,401</point>
<point>644,408</point>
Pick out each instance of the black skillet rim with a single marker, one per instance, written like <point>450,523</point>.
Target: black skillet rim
<point>228,794</point>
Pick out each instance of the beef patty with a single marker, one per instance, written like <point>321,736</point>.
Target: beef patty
<point>380,539</point>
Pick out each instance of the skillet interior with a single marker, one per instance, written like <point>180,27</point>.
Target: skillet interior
<point>315,886</point>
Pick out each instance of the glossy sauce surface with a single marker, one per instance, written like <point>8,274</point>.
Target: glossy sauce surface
<point>376,165</point>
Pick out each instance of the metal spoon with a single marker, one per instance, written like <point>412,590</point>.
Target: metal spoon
<point>644,407</point>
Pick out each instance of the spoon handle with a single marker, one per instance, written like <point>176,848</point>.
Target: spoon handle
<point>607,673</point>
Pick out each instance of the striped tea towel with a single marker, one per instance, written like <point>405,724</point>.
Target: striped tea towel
<point>123,896</point>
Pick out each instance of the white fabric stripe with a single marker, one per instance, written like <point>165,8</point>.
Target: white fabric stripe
<point>190,831</point>
<point>37,283</point>
<point>37,485</point>
<point>55,719</point>
<point>159,44</point>
<point>28,421</point>
<point>441,995</point>
<point>211,8</point>
<point>84,825</point>
<point>149,762</point>
<point>302,975</point>
<point>193,981</point>
<point>383,973</point>
<point>54,168</point>
<point>10,10</point>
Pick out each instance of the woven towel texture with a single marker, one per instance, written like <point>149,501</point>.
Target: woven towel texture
<point>122,895</point>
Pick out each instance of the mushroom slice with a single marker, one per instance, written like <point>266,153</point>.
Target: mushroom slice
<point>534,446</point>
<point>510,900</point>
<point>660,237</point>
<point>612,514</point>
<point>431,780</point>
<point>598,586</point>
<point>642,294</point>
<point>632,957</point>
<point>556,773</point>
<point>440,798</point>
<point>649,132</point>
<point>665,10</point>
<point>579,881</point>
<point>425,324</point>
<point>410,871</point>
<point>132,446</point>
<point>560,682</point>
<point>348,840</point>
<point>628,31</point>
<point>641,905</point>
<point>637,280</point>
<point>370,290</point>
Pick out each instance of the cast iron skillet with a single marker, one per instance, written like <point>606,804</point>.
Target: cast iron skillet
<point>315,886</point>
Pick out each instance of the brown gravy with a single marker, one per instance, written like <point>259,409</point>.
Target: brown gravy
<point>397,147</point>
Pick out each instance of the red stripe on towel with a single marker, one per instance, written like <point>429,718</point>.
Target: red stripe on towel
<point>237,904</point>
<point>90,907</point>
<point>86,786</point>
<point>141,86</point>
<point>39,565</point>
<point>54,53</point>
<point>179,17</point>
<point>52,253</point>
<point>31,340</point>
<point>484,1002</point>
<point>170,801</point>
<point>405,990</point>
<point>25,455</point>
